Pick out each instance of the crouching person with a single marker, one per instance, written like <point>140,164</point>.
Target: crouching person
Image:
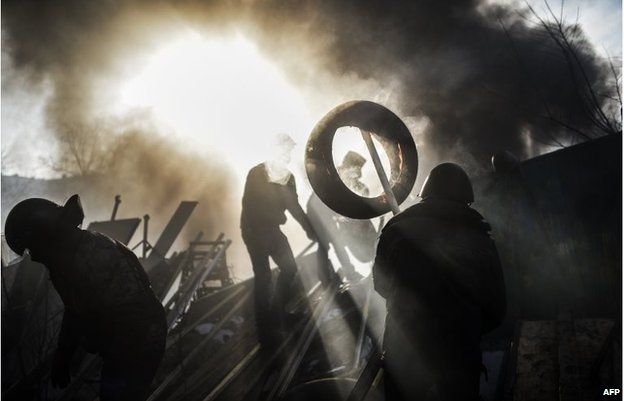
<point>110,307</point>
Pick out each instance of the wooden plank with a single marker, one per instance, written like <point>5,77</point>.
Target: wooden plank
<point>169,234</point>
<point>194,282</point>
<point>569,364</point>
<point>173,376</point>
<point>294,359</point>
<point>537,373</point>
<point>232,374</point>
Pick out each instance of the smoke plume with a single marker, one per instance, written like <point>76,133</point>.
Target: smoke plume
<point>481,75</point>
<point>476,77</point>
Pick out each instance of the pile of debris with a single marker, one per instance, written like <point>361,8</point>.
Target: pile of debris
<point>32,310</point>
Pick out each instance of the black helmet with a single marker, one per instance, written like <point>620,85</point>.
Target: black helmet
<point>35,219</point>
<point>448,181</point>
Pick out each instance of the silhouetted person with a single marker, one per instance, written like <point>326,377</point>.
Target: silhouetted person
<point>270,190</point>
<point>110,308</point>
<point>339,231</point>
<point>439,270</point>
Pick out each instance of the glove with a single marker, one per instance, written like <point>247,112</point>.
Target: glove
<point>60,369</point>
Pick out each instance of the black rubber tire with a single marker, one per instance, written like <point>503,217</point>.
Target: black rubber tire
<point>388,129</point>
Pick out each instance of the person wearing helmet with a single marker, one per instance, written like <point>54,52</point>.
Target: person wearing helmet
<point>342,232</point>
<point>110,307</point>
<point>350,171</point>
<point>439,271</point>
<point>269,192</point>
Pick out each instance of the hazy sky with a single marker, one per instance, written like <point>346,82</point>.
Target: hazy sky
<point>600,19</point>
<point>23,104</point>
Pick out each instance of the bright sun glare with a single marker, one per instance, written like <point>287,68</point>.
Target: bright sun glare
<point>220,93</point>
<point>224,95</point>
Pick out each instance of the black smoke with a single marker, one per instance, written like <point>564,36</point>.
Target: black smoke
<point>484,76</point>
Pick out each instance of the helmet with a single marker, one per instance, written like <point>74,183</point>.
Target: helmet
<point>448,181</point>
<point>34,220</point>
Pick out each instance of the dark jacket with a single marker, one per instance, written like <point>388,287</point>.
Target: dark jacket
<point>440,242</point>
<point>101,283</point>
<point>265,202</point>
<point>439,271</point>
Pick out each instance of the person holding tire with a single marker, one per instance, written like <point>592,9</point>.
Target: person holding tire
<point>270,191</point>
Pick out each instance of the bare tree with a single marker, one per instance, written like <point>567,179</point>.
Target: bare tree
<point>597,109</point>
<point>600,100</point>
<point>84,148</point>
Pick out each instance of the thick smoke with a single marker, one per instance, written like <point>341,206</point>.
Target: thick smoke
<point>474,87</point>
<point>480,87</point>
<point>155,174</point>
<point>73,47</point>
<point>483,77</point>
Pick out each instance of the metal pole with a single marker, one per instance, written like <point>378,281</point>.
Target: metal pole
<point>369,376</point>
<point>117,202</point>
<point>145,226</point>
<point>368,139</point>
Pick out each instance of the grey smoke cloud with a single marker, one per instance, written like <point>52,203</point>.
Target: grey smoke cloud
<point>447,65</point>
<point>450,61</point>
